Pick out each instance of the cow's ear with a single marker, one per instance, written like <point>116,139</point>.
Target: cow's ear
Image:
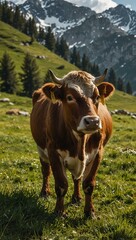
<point>53,92</point>
<point>105,90</point>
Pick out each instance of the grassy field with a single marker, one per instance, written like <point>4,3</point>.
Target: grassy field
<point>24,215</point>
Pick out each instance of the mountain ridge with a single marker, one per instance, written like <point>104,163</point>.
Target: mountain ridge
<point>101,36</point>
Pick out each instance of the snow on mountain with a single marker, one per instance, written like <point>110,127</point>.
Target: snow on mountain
<point>108,38</point>
<point>17,2</point>
<point>59,14</point>
<point>96,5</point>
<point>122,17</point>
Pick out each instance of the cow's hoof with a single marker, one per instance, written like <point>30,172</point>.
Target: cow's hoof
<point>76,200</point>
<point>44,194</point>
<point>60,214</point>
<point>90,214</point>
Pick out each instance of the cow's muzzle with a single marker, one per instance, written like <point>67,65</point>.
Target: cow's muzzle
<point>89,123</point>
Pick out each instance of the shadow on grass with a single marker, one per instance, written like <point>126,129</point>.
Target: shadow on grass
<point>22,217</point>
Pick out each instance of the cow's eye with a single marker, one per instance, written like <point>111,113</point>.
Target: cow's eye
<point>97,99</point>
<point>69,98</point>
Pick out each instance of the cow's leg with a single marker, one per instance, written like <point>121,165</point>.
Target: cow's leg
<point>89,184</point>
<point>76,197</point>
<point>45,167</point>
<point>61,183</point>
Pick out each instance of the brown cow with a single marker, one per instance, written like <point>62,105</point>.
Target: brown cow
<point>70,125</point>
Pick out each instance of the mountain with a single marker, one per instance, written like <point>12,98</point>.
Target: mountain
<point>60,14</point>
<point>122,17</point>
<point>106,45</point>
<point>108,39</point>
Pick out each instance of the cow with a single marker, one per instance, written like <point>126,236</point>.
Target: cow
<point>70,124</point>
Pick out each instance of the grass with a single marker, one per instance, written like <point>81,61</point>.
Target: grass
<point>26,216</point>
<point>10,41</point>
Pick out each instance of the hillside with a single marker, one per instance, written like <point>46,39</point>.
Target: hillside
<point>12,41</point>
<point>108,39</point>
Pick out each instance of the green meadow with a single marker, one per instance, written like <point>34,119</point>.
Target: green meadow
<point>11,42</point>
<point>25,215</point>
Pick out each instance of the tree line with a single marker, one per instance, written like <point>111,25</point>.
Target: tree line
<point>23,83</point>
<point>29,79</point>
<point>58,46</point>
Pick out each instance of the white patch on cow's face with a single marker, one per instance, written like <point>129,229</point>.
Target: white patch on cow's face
<point>75,87</point>
<point>83,89</point>
<point>43,154</point>
<point>73,164</point>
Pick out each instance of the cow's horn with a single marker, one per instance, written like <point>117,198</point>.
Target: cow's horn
<point>101,78</point>
<point>55,79</point>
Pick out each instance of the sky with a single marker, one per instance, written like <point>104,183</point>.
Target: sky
<point>101,5</point>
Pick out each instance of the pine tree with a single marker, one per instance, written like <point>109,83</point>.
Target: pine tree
<point>41,34</point>
<point>0,10</point>
<point>120,84</point>
<point>30,76</point>
<point>95,70</point>
<point>64,50</point>
<point>128,88</point>
<point>112,77</point>
<point>9,81</point>
<point>4,12</point>
<point>57,47</point>
<point>9,15</point>
<point>17,18</point>
<point>78,61</point>
<point>75,57</point>
<point>32,27</point>
<point>85,62</point>
<point>50,40</point>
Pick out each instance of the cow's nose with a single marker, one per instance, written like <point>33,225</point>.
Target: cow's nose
<point>89,123</point>
<point>92,122</point>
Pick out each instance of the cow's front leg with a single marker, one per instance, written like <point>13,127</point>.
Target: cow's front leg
<point>45,167</point>
<point>61,183</point>
<point>76,197</point>
<point>89,184</point>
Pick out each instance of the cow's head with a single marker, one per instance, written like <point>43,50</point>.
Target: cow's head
<point>80,93</point>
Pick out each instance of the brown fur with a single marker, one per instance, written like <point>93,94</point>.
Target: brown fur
<point>54,127</point>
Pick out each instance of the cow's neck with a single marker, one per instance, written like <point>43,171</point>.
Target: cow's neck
<point>81,147</point>
<point>79,143</point>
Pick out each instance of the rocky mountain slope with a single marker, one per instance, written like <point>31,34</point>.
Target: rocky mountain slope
<point>122,17</point>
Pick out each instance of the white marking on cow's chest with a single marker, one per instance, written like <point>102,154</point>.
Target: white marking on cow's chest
<point>91,156</point>
<point>73,164</point>
<point>43,154</point>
